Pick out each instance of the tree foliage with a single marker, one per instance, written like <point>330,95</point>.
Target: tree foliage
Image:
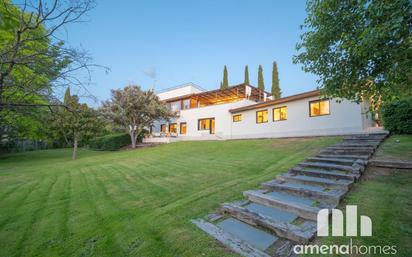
<point>276,92</point>
<point>225,83</point>
<point>135,109</point>
<point>261,83</point>
<point>76,123</point>
<point>247,75</point>
<point>359,49</point>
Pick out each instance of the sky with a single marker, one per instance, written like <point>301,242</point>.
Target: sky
<point>191,41</point>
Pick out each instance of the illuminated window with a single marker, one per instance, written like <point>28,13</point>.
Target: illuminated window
<point>204,124</point>
<point>237,118</point>
<point>183,128</point>
<point>280,113</point>
<point>173,127</point>
<point>163,128</point>
<point>262,116</point>
<point>319,108</point>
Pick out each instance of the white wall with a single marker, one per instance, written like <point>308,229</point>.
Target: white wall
<point>181,91</point>
<point>344,118</point>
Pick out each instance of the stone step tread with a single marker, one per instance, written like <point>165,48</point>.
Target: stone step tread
<point>326,174</point>
<point>343,152</point>
<point>298,205</point>
<point>329,166</point>
<point>318,193</point>
<point>363,144</point>
<point>229,240</point>
<point>280,228</point>
<point>340,161</point>
<point>339,183</point>
<point>347,148</point>
<point>348,157</point>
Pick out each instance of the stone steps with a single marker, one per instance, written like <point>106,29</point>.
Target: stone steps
<point>273,219</point>
<point>325,174</point>
<point>303,208</point>
<point>320,192</point>
<point>316,181</point>
<point>280,228</point>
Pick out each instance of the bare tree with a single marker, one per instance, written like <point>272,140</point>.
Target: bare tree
<point>34,59</point>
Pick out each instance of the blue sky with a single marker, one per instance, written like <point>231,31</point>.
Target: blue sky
<point>191,41</point>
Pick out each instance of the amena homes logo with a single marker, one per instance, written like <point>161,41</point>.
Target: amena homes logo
<point>338,231</point>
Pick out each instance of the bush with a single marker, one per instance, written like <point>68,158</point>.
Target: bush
<point>111,142</point>
<point>397,116</point>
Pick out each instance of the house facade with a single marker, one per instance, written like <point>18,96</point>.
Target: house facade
<point>243,111</point>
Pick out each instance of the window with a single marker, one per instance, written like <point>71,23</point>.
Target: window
<point>280,113</point>
<point>186,104</point>
<point>173,127</point>
<point>163,128</point>
<point>262,116</point>
<point>319,108</point>
<point>175,106</point>
<point>237,118</point>
<point>183,128</point>
<point>204,124</point>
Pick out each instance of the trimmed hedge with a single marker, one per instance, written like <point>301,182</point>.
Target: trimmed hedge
<point>111,142</point>
<point>397,116</point>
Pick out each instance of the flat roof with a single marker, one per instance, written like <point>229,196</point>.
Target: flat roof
<point>277,101</point>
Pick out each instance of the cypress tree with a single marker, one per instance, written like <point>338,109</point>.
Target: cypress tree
<point>247,75</point>
<point>67,96</point>
<point>225,83</point>
<point>261,83</point>
<point>276,92</point>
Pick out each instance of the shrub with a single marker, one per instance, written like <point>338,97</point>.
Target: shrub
<point>397,116</point>
<point>111,142</point>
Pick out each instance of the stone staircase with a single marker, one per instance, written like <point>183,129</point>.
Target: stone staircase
<point>283,212</point>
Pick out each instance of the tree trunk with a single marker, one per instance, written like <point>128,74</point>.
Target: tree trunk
<point>74,155</point>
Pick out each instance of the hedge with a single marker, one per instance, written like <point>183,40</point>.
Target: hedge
<point>111,142</point>
<point>397,116</point>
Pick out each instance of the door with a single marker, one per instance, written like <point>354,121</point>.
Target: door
<point>212,126</point>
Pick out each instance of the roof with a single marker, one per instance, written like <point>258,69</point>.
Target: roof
<point>219,94</point>
<point>277,101</point>
<point>181,86</point>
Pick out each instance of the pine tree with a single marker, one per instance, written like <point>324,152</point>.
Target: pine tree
<point>247,75</point>
<point>276,92</point>
<point>261,83</point>
<point>225,83</point>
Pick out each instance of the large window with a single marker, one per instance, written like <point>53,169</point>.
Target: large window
<point>175,106</point>
<point>204,124</point>
<point>186,104</point>
<point>262,116</point>
<point>163,128</point>
<point>319,108</point>
<point>237,117</point>
<point>183,128</point>
<point>173,127</point>
<point>280,113</point>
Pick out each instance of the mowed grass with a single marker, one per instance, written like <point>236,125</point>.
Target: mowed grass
<point>132,203</point>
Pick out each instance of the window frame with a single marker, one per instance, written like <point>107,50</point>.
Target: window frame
<point>170,125</point>
<point>267,118</point>
<point>237,115</point>
<point>280,118</point>
<point>210,123</point>
<point>180,128</point>
<point>318,101</point>
<point>161,130</point>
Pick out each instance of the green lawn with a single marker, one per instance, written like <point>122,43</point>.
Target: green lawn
<point>132,203</point>
<point>397,147</point>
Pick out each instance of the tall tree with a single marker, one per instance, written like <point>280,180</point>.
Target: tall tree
<point>76,123</point>
<point>261,83</point>
<point>276,92</point>
<point>247,75</point>
<point>225,83</point>
<point>359,49</point>
<point>135,109</point>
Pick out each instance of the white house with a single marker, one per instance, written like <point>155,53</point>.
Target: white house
<point>243,111</point>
